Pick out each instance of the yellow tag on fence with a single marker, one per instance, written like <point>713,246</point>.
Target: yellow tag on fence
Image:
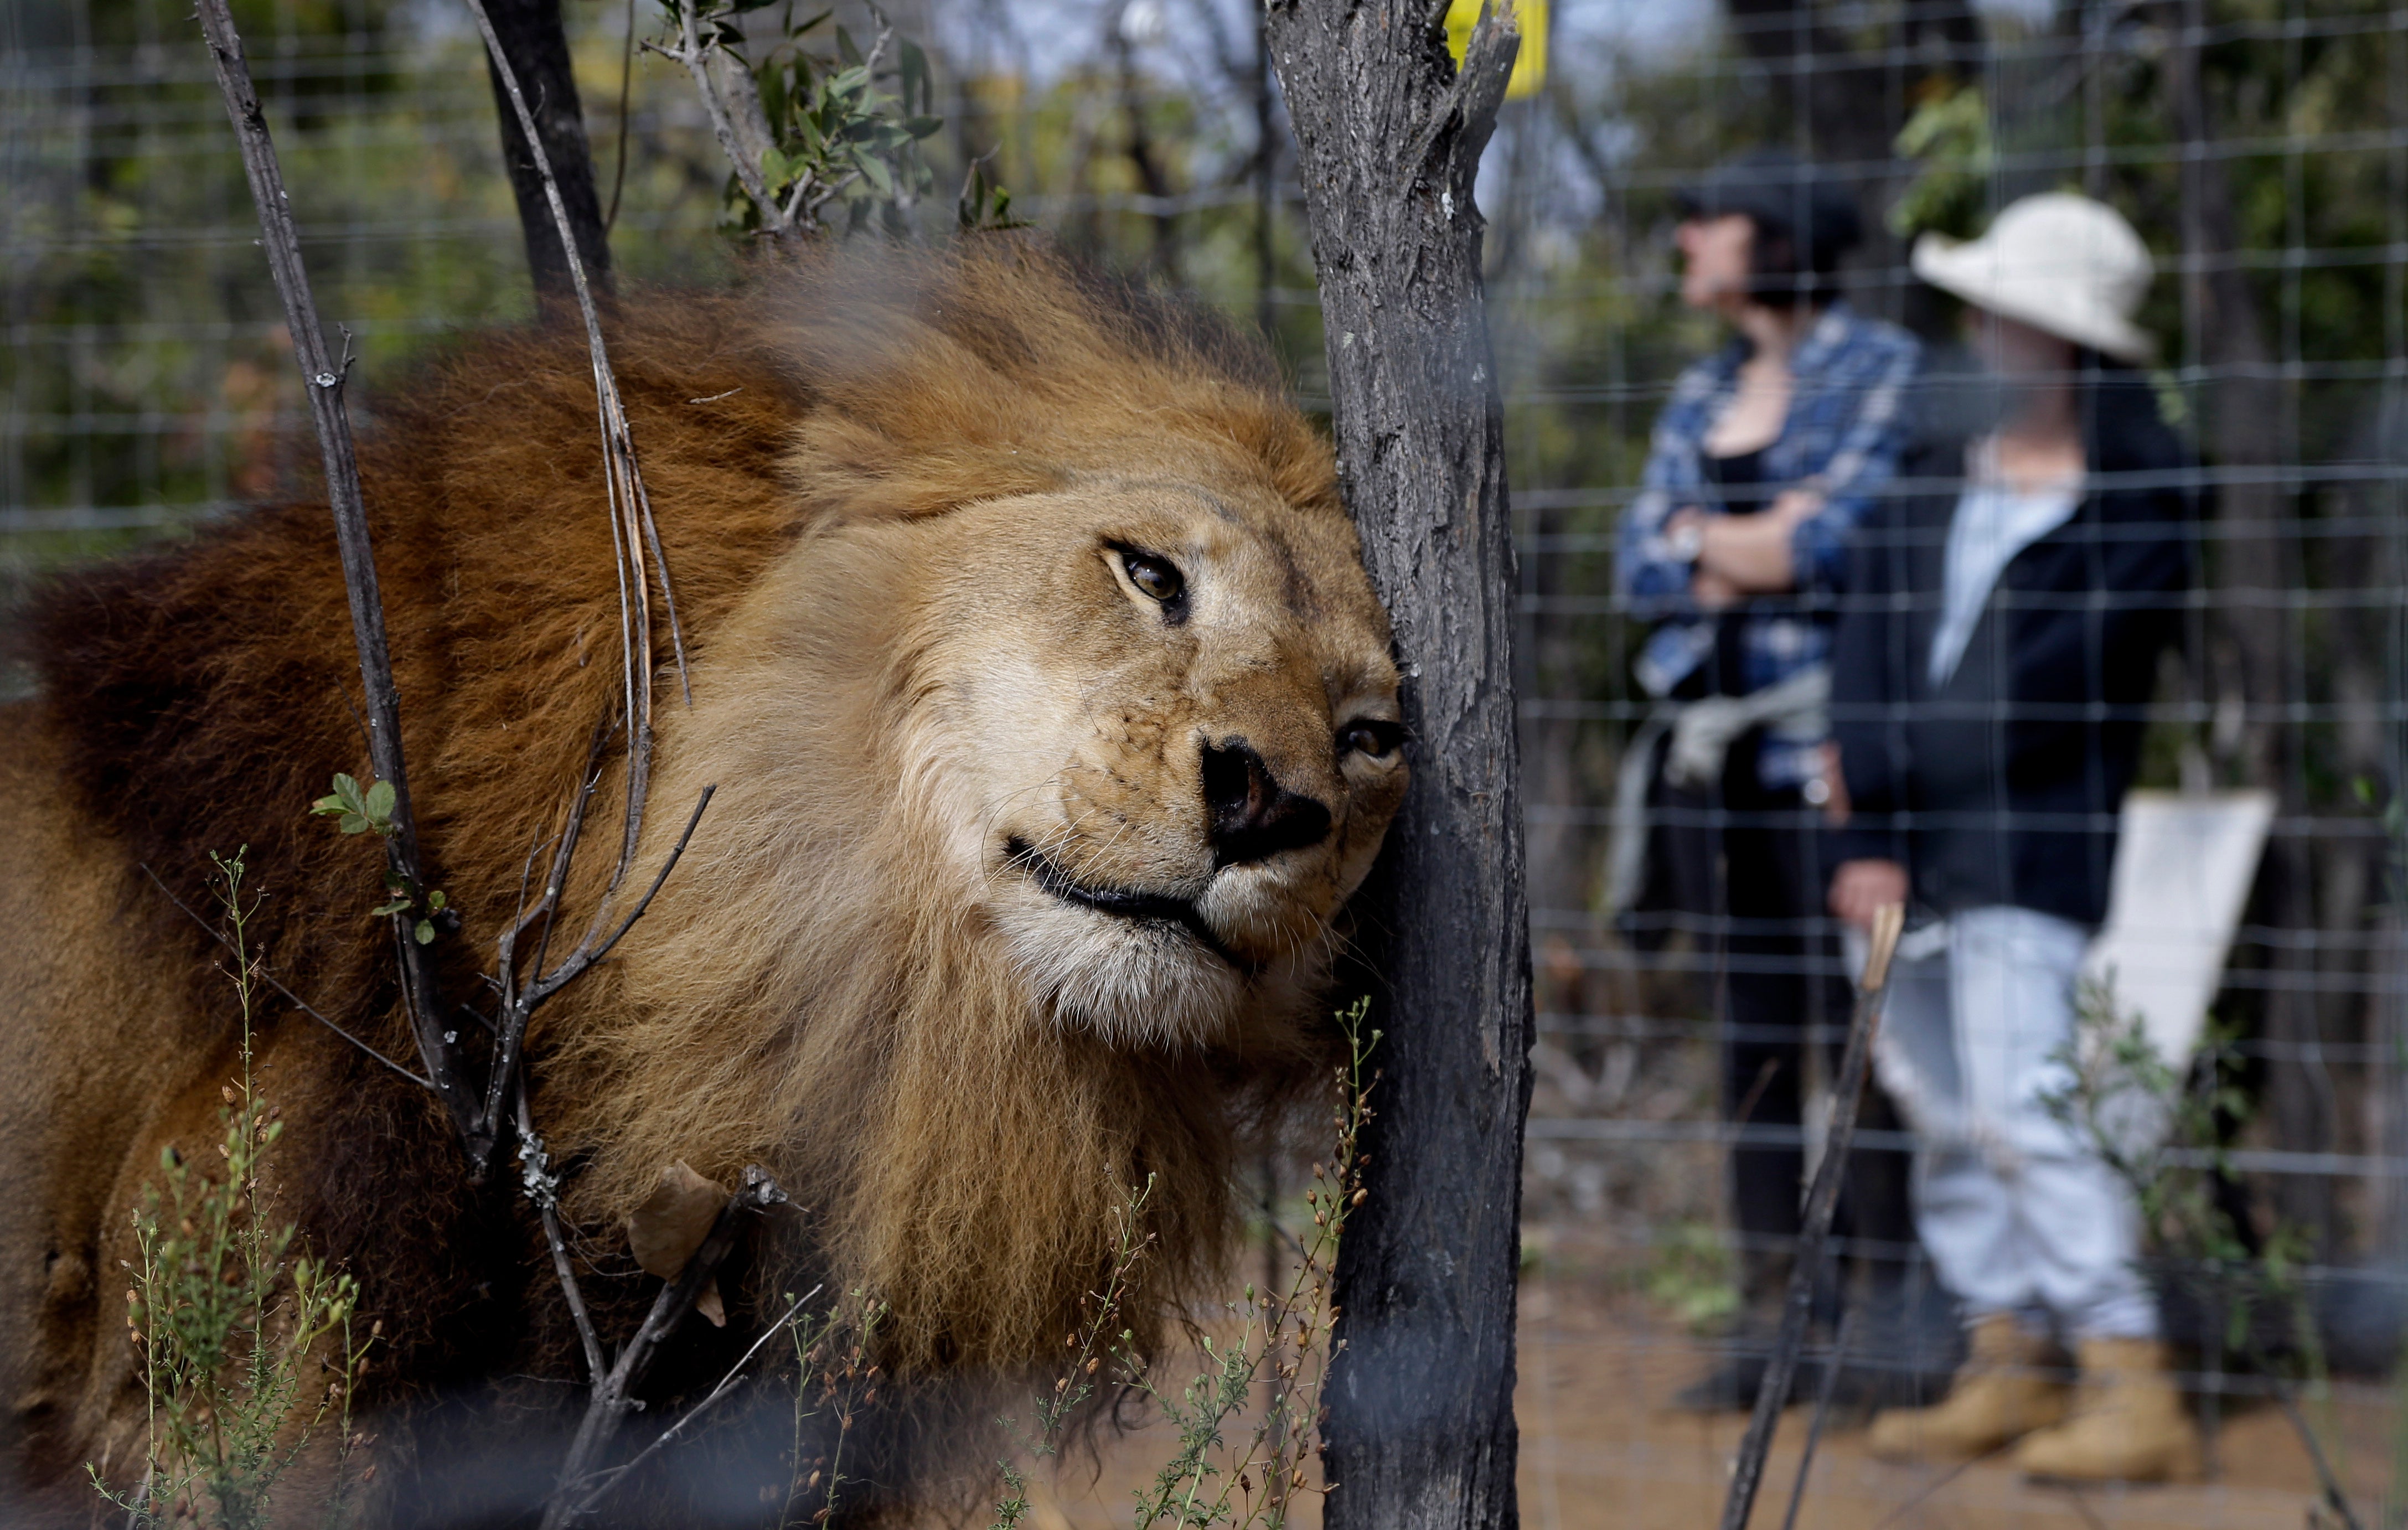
<point>1530,65</point>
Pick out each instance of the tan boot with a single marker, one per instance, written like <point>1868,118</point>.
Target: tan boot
<point>2128,1424</point>
<point>2004,1390</point>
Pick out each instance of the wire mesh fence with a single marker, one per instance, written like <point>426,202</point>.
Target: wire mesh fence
<point>2258,146</point>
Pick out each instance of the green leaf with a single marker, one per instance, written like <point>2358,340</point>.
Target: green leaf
<point>379,801</point>
<point>844,46</point>
<point>436,899</point>
<point>354,823</point>
<point>425,932</point>
<point>344,799</point>
<point>397,906</point>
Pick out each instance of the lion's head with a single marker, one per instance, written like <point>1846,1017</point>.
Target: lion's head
<point>1046,757</point>
<point>1152,711</point>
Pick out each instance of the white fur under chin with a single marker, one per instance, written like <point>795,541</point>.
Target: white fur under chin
<point>1134,982</point>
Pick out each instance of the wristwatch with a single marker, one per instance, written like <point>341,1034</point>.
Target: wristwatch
<point>1685,541</point>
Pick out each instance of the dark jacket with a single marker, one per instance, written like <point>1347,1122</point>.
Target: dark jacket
<point>2003,786</point>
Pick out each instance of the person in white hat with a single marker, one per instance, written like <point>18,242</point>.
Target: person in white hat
<point>1993,663</point>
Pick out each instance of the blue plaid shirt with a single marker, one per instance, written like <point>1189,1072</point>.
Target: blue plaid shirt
<point>1842,440</point>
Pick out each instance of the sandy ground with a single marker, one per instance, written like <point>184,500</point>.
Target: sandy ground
<point>1599,1448</point>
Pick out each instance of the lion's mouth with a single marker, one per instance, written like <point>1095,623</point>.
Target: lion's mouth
<point>1122,903</point>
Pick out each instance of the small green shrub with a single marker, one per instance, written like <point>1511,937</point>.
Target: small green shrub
<point>245,1342</point>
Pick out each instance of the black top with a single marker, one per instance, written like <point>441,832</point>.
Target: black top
<point>1739,478</point>
<point>2002,785</point>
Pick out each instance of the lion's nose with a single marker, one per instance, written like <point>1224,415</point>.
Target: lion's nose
<point>1252,816</point>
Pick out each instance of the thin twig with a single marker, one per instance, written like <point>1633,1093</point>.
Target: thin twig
<point>634,534</point>
<point>1815,1224</point>
<point>1923,1495</point>
<point>613,1394</point>
<point>518,1007</point>
<point>605,1481</point>
<point>543,1188</point>
<point>587,954</point>
<point>323,379</point>
<point>2327,1479</point>
<point>291,997</point>
<point>1822,1411</point>
<point>668,592</point>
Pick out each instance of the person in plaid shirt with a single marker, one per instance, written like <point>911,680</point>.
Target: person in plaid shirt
<point>1764,459</point>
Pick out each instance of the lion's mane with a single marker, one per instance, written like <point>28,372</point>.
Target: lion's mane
<point>803,995</point>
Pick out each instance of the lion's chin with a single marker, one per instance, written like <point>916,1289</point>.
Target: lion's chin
<point>1134,981</point>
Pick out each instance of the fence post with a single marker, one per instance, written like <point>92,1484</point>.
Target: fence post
<point>531,34</point>
<point>1419,1428</point>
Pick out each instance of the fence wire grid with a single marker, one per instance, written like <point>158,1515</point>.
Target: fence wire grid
<point>2258,146</point>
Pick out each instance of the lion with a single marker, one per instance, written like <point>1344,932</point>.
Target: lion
<point>1051,718</point>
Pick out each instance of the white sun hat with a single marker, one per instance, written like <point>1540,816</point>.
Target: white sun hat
<point>2057,262</point>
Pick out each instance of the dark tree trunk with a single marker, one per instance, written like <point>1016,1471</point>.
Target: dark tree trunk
<point>1420,1425</point>
<point>531,35</point>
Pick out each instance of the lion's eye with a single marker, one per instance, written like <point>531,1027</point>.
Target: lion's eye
<point>1370,735</point>
<point>1157,576</point>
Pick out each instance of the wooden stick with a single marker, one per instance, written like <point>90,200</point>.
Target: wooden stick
<point>322,380</point>
<point>1821,1201</point>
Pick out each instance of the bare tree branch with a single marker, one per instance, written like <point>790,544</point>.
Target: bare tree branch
<point>543,1188</point>
<point>638,562</point>
<point>323,380</point>
<point>615,1393</point>
<point>605,1481</point>
<point>1822,1415</point>
<point>637,547</point>
<point>590,951</point>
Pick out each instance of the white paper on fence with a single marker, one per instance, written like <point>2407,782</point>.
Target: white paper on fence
<point>2184,864</point>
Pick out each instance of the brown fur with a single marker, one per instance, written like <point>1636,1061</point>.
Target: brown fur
<point>889,491</point>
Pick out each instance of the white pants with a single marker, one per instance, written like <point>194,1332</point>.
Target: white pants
<point>2015,1210</point>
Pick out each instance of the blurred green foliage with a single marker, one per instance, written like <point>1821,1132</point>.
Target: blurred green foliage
<point>147,381</point>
